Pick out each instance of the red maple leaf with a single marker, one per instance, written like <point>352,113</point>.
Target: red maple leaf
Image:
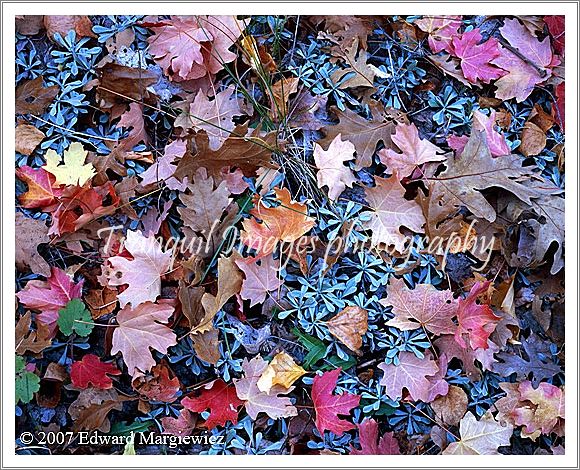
<point>329,406</point>
<point>475,320</point>
<point>222,401</point>
<point>370,444</point>
<point>557,28</point>
<point>475,57</point>
<point>40,191</point>
<point>50,296</point>
<point>90,370</point>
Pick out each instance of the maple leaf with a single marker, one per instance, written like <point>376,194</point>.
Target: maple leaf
<point>33,98</point>
<point>424,306</point>
<point>447,345</point>
<point>364,134</point>
<point>50,296</point>
<point>282,370</point>
<point>557,28</point>
<point>73,170</point>
<point>190,47</point>
<point>134,120</point>
<point>415,151</point>
<point>477,321</point>
<point>329,406</point>
<point>139,329</point>
<point>75,317</point>
<point>41,191</point>
<point>495,141</point>
<point>214,117</point>
<point>159,385</point>
<point>441,30</point>
<point>476,58</point>
<point>286,222</point>
<point>27,138</point>
<point>79,205</point>
<point>389,211</point>
<point>90,370</point>
<point>481,437</point>
<point>460,184</point>
<point>222,401</point>
<point>349,325</point>
<point>368,435</point>
<point>256,401</point>
<point>142,274</point>
<point>331,170</point>
<point>261,277</point>
<point>411,373</point>
<point>522,76</point>
<point>548,408</point>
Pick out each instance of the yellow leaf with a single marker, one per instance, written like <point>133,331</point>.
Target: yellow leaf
<point>73,171</point>
<point>281,371</point>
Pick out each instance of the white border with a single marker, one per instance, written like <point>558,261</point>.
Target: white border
<point>319,8</point>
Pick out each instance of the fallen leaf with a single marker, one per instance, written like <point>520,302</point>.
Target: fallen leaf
<point>495,141</point>
<point>62,24</point>
<point>142,274</point>
<point>348,326</point>
<point>261,277</point>
<point>441,29</point>
<point>332,172</point>
<point>30,233</point>
<point>481,437</point>
<point>180,426</point>
<point>390,211</point>
<point>91,370</point>
<point>422,307</point>
<point>451,407</point>
<point>281,91</point>
<point>222,401</point>
<point>328,406</point>
<point>33,98</point>
<point>415,151</point>
<point>160,384</point>
<point>41,192</point>
<point>477,57</point>
<point>73,170</point>
<point>282,370</point>
<point>370,444</point>
<point>256,401</point>
<point>140,329</point>
<point>27,339</point>
<point>27,138</point>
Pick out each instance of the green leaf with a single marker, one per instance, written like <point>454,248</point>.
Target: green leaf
<point>124,429</point>
<point>316,348</point>
<point>20,364</point>
<point>27,384</point>
<point>69,319</point>
<point>336,361</point>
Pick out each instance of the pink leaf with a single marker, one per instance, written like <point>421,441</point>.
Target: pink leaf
<point>476,58</point>
<point>495,141</point>
<point>368,435</point>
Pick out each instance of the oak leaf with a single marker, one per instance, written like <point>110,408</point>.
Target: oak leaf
<point>415,151</point>
<point>476,58</point>
<point>475,170</point>
<point>90,370</point>
<point>331,169</point>
<point>390,211</point>
<point>27,138</point>
<point>481,437</point>
<point>33,98</point>
<point>411,373</point>
<point>158,385</point>
<point>73,169</point>
<point>282,370</point>
<point>370,444</point>
<point>422,307</point>
<point>329,406</point>
<point>28,339</point>
<point>30,233</point>
<point>364,134</point>
<point>142,274</point>
<point>139,329</point>
<point>349,325</point>
<point>50,296</point>
<point>256,401</point>
<point>261,277</point>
